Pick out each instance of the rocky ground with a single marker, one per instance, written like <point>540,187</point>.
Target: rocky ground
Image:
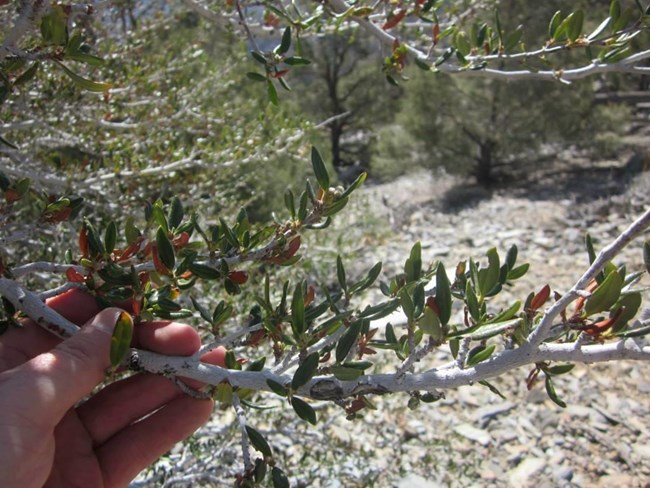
<point>473,437</point>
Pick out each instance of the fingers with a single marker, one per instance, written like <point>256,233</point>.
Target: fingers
<point>132,449</point>
<point>45,387</point>
<point>19,345</point>
<point>75,305</point>
<point>169,338</point>
<point>120,404</point>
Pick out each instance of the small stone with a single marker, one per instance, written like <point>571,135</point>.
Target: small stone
<point>642,450</point>
<point>617,479</point>
<point>488,412</point>
<point>525,471</point>
<point>415,481</point>
<point>472,433</point>
<point>563,473</point>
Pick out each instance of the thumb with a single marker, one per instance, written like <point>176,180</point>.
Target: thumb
<point>53,382</point>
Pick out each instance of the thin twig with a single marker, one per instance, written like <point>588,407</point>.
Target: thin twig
<point>241,417</point>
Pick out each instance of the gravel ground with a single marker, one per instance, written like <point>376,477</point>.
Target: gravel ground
<point>472,437</point>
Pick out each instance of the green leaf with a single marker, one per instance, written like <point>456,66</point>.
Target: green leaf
<point>499,29</point>
<point>518,272</point>
<point>550,390</point>
<point>615,10</point>
<point>335,207</point>
<point>507,314</point>
<point>630,302</point>
<point>258,441</point>
<point>110,237</point>
<point>204,272</point>
<point>298,311</point>
<point>574,27</point>
<point>121,339</point>
<point>272,92</point>
<point>176,213</point>
<point>408,307</point>
<point>28,75</point>
<point>222,312</point>
<point>368,280</point>
<point>355,184</point>
<point>479,354</point>
<point>131,232</point>
<point>277,388</point>
<point>444,56</point>
<point>513,38</point>
<point>285,44</point>
<point>259,57</point>
<point>443,294</point>
<point>260,470</point>
<point>599,30</point>
<point>165,249</point>
<point>83,83</point>
<point>472,302</point>
<point>422,64</point>
<point>461,42</point>
<point>489,277</point>
<point>7,143</point>
<point>255,76</point>
<point>319,169</point>
<point>203,312</point>
<point>305,371</point>
<point>511,257</point>
<point>348,340</point>
<point>559,369</point>
<point>344,373</point>
<point>454,347</point>
<point>413,265</point>
<point>290,203</point>
<point>492,388</point>
<point>280,479</point>
<point>95,245</point>
<point>418,299</point>
<point>429,323</point>
<point>54,26</point>
<point>605,295</point>
<point>304,410</point>
<point>390,334</point>
<point>296,61</point>
<point>340,273</point>
<point>554,24</point>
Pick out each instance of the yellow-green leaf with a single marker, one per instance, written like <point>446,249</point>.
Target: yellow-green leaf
<point>83,83</point>
<point>121,339</point>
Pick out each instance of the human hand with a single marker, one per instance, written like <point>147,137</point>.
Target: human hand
<point>49,438</point>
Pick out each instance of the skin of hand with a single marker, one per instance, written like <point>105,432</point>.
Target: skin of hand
<point>50,437</point>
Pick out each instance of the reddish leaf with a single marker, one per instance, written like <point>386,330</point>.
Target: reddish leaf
<point>238,277</point>
<point>181,240</point>
<point>83,242</point>
<point>11,195</point>
<point>433,305</point>
<point>157,263</point>
<point>74,276</point>
<point>541,297</point>
<point>436,33</point>
<point>604,325</point>
<point>394,19</point>
<point>309,297</point>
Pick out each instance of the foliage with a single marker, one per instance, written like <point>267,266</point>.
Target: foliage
<point>174,142</point>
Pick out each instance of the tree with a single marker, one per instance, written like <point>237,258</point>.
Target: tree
<point>177,264</point>
<point>341,90</point>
